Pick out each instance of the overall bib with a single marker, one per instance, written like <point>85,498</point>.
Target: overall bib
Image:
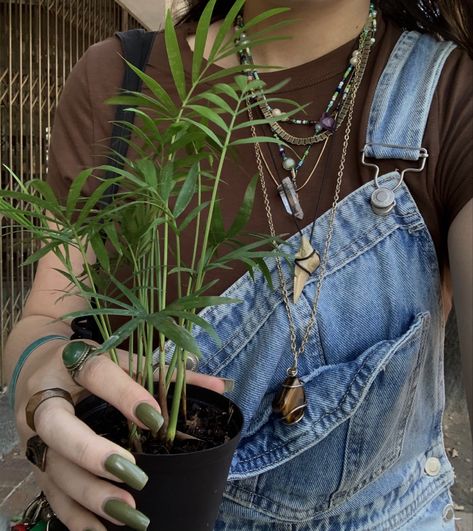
<point>369,453</point>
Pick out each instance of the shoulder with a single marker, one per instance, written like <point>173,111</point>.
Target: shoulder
<point>457,74</point>
<point>103,68</point>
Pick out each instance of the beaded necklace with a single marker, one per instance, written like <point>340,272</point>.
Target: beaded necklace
<point>290,402</point>
<point>329,122</point>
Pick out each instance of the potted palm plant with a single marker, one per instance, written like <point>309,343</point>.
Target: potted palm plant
<point>172,185</point>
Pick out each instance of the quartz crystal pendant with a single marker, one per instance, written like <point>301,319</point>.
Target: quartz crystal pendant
<point>290,199</point>
<point>307,261</point>
<point>290,402</point>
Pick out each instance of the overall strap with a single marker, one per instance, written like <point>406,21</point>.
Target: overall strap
<point>136,46</point>
<point>403,97</point>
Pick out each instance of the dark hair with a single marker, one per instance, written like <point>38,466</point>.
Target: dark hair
<point>448,19</point>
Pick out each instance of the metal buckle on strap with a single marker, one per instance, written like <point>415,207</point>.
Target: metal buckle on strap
<point>383,199</point>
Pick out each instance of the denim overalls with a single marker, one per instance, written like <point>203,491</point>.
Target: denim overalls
<point>368,454</point>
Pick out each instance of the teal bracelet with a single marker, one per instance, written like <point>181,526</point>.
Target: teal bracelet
<point>25,355</point>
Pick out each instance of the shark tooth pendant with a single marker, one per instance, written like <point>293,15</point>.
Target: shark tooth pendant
<point>290,402</point>
<point>306,262</point>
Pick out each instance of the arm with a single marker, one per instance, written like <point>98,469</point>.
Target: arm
<point>460,248</point>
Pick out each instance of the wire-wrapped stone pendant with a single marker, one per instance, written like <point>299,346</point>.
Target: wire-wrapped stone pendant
<point>290,401</point>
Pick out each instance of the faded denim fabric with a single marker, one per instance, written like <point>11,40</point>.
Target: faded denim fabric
<point>368,454</point>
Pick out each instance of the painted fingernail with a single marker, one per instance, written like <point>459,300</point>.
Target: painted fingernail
<point>121,511</point>
<point>228,385</point>
<point>149,416</point>
<point>127,471</point>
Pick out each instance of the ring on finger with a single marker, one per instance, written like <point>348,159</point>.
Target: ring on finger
<point>75,355</point>
<point>41,396</point>
<point>36,452</point>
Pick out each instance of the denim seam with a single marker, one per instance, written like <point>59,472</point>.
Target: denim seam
<point>395,521</point>
<point>419,503</point>
<point>394,455</point>
<point>397,346</point>
<point>254,324</point>
<point>335,263</point>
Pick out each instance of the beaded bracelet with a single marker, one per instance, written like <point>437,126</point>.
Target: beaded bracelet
<point>20,363</point>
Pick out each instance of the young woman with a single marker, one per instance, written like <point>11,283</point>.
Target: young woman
<point>368,452</point>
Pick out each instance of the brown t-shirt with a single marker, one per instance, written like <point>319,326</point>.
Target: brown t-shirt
<point>83,125</point>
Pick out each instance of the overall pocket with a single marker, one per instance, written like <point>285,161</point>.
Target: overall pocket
<point>352,432</point>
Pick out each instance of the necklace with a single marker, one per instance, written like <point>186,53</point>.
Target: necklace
<point>287,188</point>
<point>334,114</point>
<point>331,119</point>
<point>290,402</point>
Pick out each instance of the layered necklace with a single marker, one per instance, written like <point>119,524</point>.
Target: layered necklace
<point>290,401</point>
<point>332,118</point>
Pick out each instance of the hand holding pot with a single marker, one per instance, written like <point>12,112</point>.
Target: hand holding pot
<point>78,462</point>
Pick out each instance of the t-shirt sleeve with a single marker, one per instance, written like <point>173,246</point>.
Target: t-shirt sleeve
<point>82,122</point>
<point>454,175</point>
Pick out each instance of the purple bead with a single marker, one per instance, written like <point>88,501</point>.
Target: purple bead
<point>328,123</point>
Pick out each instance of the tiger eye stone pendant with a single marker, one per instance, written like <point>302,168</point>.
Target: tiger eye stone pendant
<point>290,401</point>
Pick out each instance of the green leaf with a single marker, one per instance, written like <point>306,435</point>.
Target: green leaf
<point>47,192</point>
<point>201,39</point>
<point>223,73</point>
<point>100,251</point>
<point>45,249</point>
<point>192,302</point>
<point>75,190</point>
<point>263,267</point>
<point>246,209</point>
<point>174,56</point>
<point>227,89</point>
<point>192,215</point>
<point>166,180</point>
<point>148,169</point>
<point>260,139</point>
<point>210,114</point>
<point>217,229</point>
<point>217,100</point>
<point>187,191</point>
<point>156,89</point>
<point>206,130</point>
<point>225,28</point>
<point>118,336</point>
<point>111,232</point>
<point>178,334</point>
<point>197,320</point>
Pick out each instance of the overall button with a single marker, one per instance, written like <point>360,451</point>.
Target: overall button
<point>448,513</point>
<point>432,466</point>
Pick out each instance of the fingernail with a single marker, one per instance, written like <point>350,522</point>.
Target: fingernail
<point>121,511</point>
<point>149,416</point>
<point>228,385</point>
<point>127,471</point>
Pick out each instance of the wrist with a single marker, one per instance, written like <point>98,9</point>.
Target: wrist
<point>44,343</point>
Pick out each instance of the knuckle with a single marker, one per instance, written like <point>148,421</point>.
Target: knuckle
<point>93,369</point>
<point>84,451</point>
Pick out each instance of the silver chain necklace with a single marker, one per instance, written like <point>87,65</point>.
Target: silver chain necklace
<point>290,402</point>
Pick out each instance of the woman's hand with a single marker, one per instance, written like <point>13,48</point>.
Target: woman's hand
<point>79,462</point>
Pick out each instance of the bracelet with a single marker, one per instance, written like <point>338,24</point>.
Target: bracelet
<point>25,355</point>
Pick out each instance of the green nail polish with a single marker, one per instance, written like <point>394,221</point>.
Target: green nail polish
<point>149,416</point>
<point>127,471</point>
<point>121,511</point>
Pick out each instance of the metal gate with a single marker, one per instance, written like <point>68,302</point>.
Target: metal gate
<point>40,41</point>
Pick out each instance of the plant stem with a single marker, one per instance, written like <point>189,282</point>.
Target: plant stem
<point>176,400</point>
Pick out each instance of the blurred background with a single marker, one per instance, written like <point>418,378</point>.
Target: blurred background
<point>40,41</point>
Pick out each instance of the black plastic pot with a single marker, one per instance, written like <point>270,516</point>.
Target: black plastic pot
<point>184,491</point>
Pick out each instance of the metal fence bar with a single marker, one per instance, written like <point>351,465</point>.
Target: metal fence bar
<point>40,41</point>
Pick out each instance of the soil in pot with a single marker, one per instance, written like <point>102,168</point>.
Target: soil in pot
<point>185,485</point>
